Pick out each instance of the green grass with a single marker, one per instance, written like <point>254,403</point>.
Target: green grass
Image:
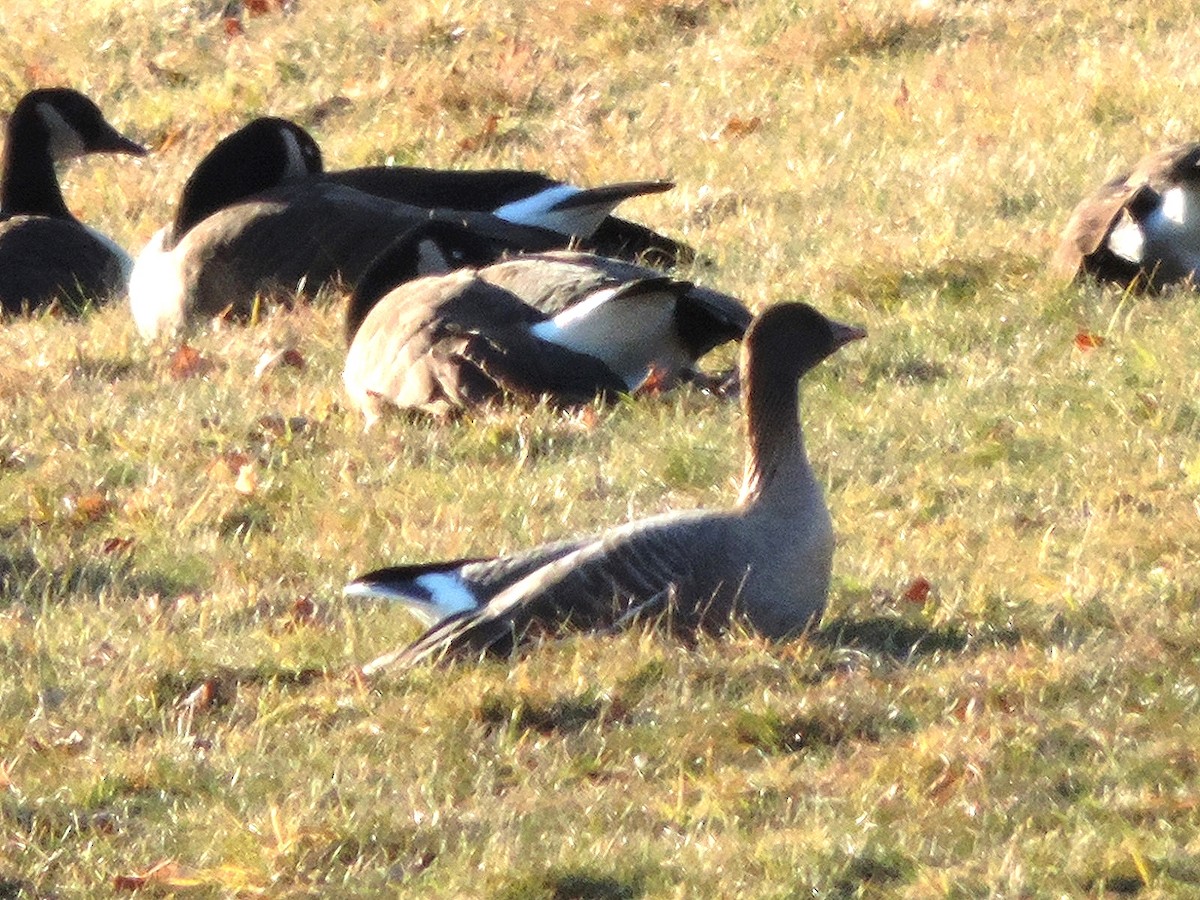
<point>174,644</point>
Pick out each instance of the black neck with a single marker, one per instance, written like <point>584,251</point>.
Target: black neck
<point>28,184</point>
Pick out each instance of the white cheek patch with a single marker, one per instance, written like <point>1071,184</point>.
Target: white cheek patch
<point>65,142</point>
<point>431,260</point>
<point>296,167</point>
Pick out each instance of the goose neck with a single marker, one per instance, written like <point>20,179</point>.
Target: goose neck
<point>28,185</point>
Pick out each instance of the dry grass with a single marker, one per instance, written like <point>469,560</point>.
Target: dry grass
<point>174,714</point>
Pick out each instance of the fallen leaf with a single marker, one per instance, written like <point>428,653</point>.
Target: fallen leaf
<point>655,384</point>
<point>159,872</point>
<point>187,362</point>
<point>233,27</point>
<point>303,609</point>
<point>1088,340</point>
<point>737,127</point>
<point>116,544</point>
<point>88,507</point>
<point>917,591</point>
<point>228,466</point>
<point>900,101</point>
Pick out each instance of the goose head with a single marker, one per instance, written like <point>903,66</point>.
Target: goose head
<point>266,153</point>
<point>434,247</point>
<point>49,125</point>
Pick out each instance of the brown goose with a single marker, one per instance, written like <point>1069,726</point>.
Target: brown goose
<point>1141,228</point>
<point>767,559</point>
<point>564,325</point>
<point>45,252</point>
<point>259,216</point>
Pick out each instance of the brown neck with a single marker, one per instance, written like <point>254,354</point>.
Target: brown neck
<point>774,444</point>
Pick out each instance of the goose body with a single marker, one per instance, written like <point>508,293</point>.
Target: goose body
<point>767,559</point>
<point>260,217</point>
<point>1141,228</point>
<point>566,325</point>
<point>45,252</point>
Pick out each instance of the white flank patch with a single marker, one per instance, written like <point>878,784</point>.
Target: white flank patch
<point>156,291</point>
<point>630,334</point>
<point>1174,205</point>
<point>1127,241</point>
<point>538,210</point>
<point>448,596</point>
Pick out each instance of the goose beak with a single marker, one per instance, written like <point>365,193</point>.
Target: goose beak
<point>115,142</point>
<point>843,334</point>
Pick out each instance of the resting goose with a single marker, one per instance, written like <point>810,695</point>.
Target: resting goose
<point>1141,228</point>
<point>564,325</point>
<point>530,198</point>
<point>767,559</point>
<point>45,252</point>
<point>259,216</point>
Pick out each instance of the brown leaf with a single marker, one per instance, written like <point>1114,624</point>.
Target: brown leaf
<point>737,127</point>
<point>228,466</point>
<point>900,101</point>
<point>160,871</point>
<point>1088,340</point>
<point>187,362</point>
<point>117,544</point>
<point>917,591</point>
<point>89,507</point>
<point>233,27</point>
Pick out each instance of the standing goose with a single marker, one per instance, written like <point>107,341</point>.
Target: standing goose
<point>259,216</point>
<point>565,325</point>
<point>45,252</point>
<point>1141,228</point>
<point>767,559</point>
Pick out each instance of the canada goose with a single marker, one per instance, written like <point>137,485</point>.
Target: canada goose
<point>1141,228</point>
<point>767,559</point>
<point>45,252</point>
<point>260,216</point>
<point>565,325</point>
<point>530,198</point>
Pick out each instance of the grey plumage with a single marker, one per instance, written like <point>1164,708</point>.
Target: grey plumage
<point>767,559</point>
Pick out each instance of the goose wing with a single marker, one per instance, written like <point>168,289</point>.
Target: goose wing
<point>676,565</point>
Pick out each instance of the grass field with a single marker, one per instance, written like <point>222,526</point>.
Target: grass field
<point>1002,700</point>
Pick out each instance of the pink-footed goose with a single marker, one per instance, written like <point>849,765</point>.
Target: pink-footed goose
<point>47,254</point>
<point>259,217</point>
<point>563,325</point>
<point>1141,229</point>
<point>766,560</point>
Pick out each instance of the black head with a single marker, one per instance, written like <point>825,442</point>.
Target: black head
<point>67,124</point>
<point>789,339</point>
<point>264,154</point>
<point>434,247</point>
